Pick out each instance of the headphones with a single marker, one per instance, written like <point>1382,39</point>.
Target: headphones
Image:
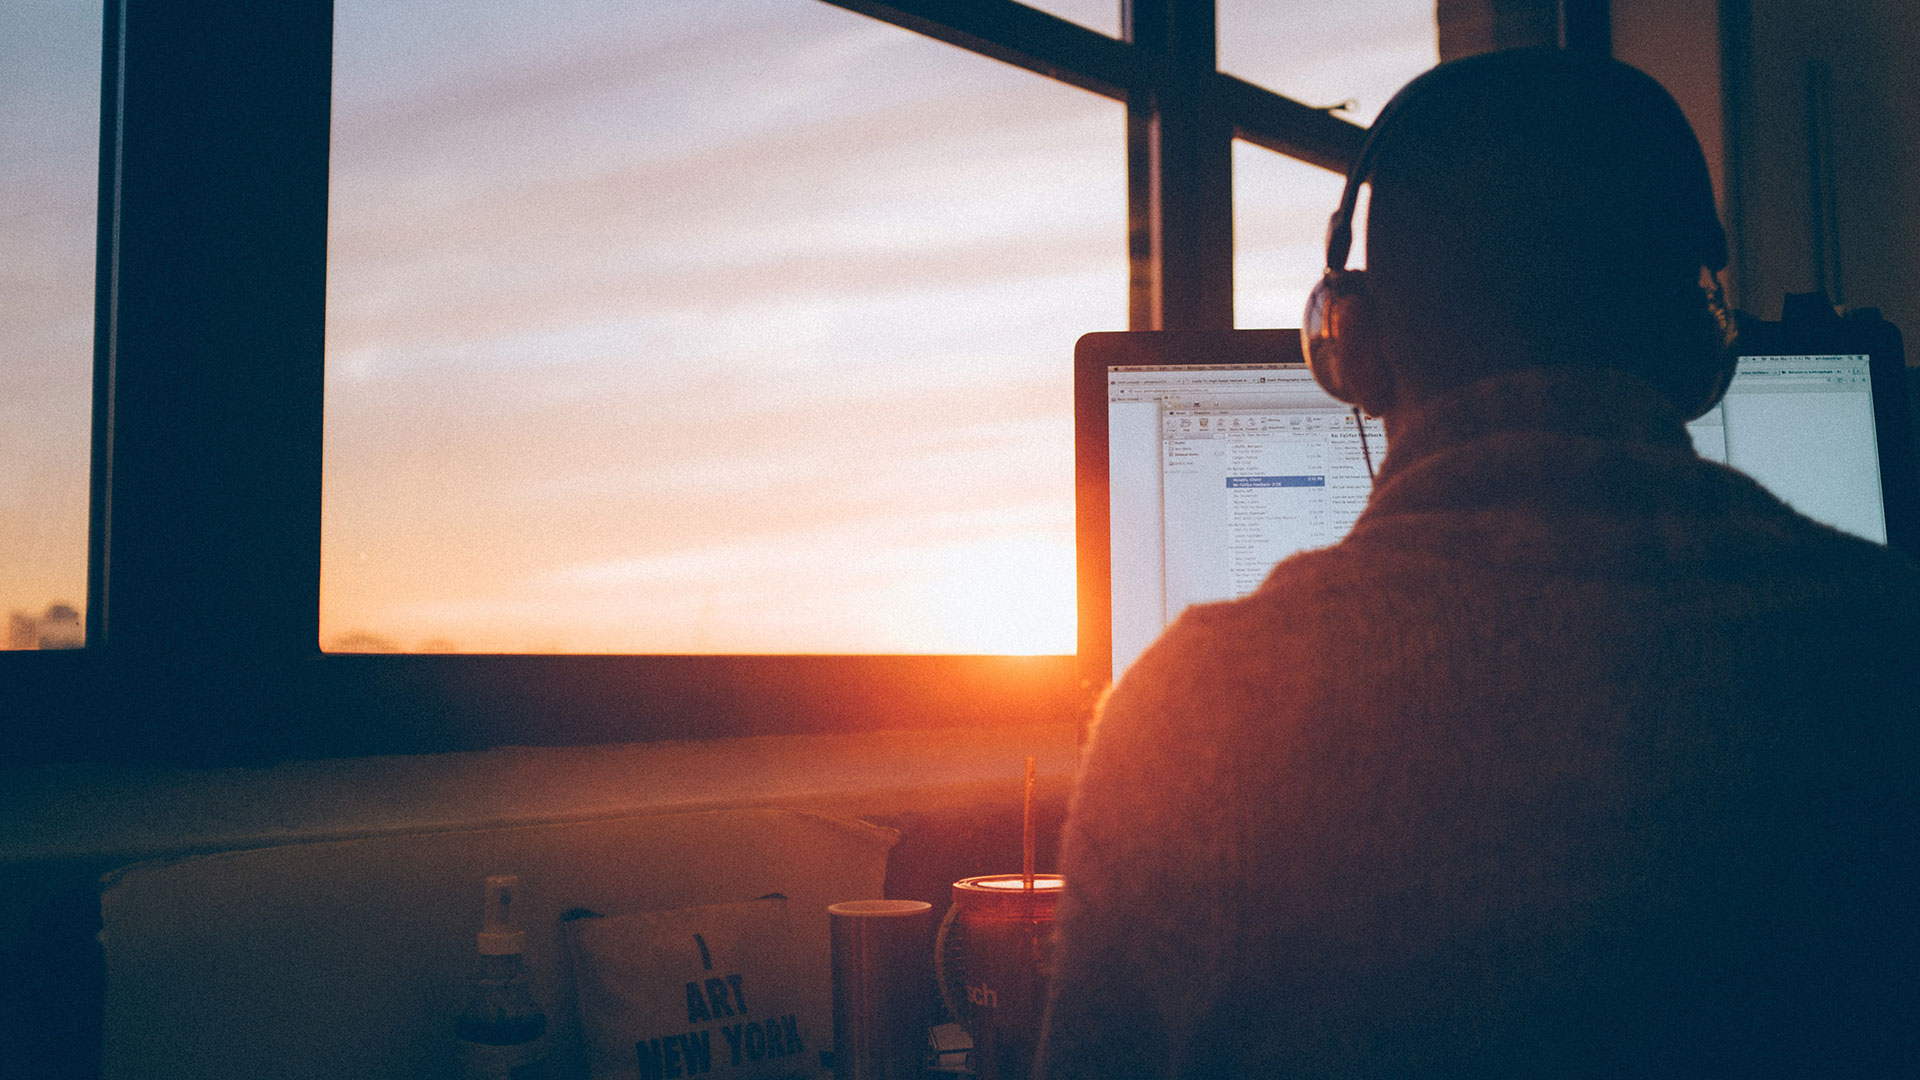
<point>1339,321</point>
<point>1340,309</point>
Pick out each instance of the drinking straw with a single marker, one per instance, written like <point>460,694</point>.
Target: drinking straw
<point>1026,840</point>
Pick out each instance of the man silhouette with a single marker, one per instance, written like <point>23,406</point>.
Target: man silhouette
<point>1581,755</point>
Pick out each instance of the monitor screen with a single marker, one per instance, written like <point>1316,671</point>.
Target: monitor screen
<point>1803,427</point>
<point>1217,472</point>
<point>1214,472</point>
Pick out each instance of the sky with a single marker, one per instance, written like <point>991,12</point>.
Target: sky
<point>49,157</point>
<point>690,326</point>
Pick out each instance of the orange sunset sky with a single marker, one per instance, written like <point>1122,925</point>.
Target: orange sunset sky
<point>683,326</point>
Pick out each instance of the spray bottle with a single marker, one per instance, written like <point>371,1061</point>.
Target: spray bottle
<point>502,1030</point>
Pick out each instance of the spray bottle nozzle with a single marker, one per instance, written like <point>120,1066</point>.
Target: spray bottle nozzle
<point>498,936</point>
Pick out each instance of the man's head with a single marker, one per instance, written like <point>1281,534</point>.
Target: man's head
<point>1529,208</point>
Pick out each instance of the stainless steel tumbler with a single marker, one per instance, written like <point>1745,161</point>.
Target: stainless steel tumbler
<point>882,988</point>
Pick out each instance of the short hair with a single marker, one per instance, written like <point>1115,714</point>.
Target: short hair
<point>1540,207</point>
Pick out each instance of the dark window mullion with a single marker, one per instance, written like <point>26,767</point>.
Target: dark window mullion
<point>210,369</point>
<point>1188,188</point>
<point>1586,26</point>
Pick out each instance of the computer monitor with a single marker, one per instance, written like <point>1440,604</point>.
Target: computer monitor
<point>1204,458</point>
<point>1803,426</point>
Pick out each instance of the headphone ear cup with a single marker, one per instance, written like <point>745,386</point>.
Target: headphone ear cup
<point>1336,331</point>
<point>1719,354</point>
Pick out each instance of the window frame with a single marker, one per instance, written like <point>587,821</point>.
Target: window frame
<point>203,580</point>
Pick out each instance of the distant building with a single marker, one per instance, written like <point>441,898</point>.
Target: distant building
<point>23,631</point>
<point>360,641</point>
<point>59,628</point>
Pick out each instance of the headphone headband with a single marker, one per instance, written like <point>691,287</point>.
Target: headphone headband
<point>1337,328</point>
<point>1340,225</point>
<point>1712,250</point>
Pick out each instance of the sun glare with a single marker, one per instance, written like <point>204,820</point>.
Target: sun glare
<point>1009,596</point>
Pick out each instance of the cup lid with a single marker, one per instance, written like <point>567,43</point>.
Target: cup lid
<point>1005,883</point>
<point>879,909</point>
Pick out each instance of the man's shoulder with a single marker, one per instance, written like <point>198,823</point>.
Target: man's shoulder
<point>1290,609</point>
<point>1219,663</point>
<point>1773,540</point>
<point>1871,589</point>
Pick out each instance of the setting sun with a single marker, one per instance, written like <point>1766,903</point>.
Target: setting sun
<point>1011,595</point>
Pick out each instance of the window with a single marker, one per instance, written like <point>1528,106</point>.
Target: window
<point>49,127</point>
<point>701,328</point>
<point>1351,56</point>
<point>223,326</point>
<point>1280,211</point>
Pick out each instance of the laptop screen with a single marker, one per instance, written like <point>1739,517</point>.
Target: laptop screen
<point>1214,472</point>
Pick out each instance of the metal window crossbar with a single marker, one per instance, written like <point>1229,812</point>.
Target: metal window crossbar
<point>1064,50</point>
